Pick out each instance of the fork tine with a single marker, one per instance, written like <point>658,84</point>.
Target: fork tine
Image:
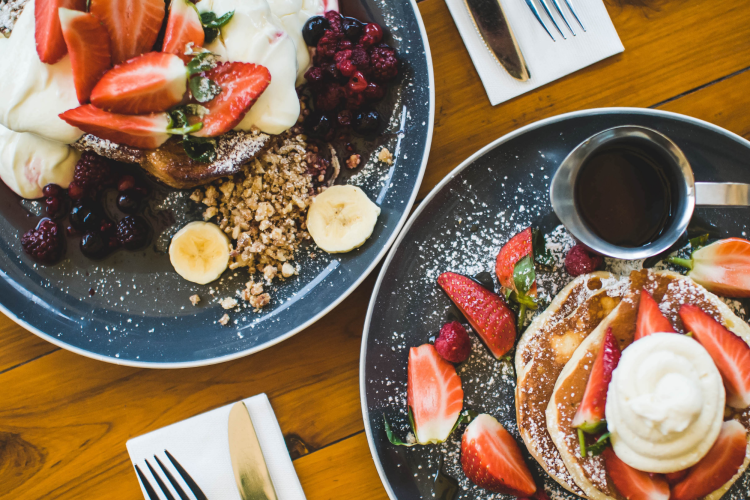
<point>161,484</point>
<point>535,11</point>
<point>175,484</point>
<point>558,7</point>
<point>549,13</point>
<point>149,489</point>
<point>199,495</point>
<point>573,11</point>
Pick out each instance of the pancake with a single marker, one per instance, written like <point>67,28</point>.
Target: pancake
<point>545,348</point>
<point>670,290</point>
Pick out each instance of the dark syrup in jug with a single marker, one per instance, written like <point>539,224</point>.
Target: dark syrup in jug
<point>623,194</point>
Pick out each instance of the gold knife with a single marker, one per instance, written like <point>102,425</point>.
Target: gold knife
<point>492,25</point>
<point>250,470</point>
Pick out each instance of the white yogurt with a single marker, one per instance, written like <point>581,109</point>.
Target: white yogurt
<point>665,404</point>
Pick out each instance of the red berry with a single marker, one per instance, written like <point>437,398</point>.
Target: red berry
<point>92,172</point>
<point>327,47</point>
<point>51,190</point>
<point>75,191</point>
<point>372,34</point>
<point>345,119</point>
<point>345,45</point>
<point>453,343</point>
<point>346,67</point>
<point>43,243</point>
<point>580,260</point>
<point>314,75</point>
<point>329,98</point>
<point>342,55</point>
<point>334,20</point>
<point>374,91</point>
<point>357,82</point>
<point>52,205</point>
<point>126,182</point>
<point>383,63</point>
<point>354,100</point>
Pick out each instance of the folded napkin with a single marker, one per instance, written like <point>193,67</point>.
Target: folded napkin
<point>200,444</point>
<point>546,60</point>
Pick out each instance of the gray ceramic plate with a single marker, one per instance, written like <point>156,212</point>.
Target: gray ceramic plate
<point>460,227</point>
<point>133,309</point>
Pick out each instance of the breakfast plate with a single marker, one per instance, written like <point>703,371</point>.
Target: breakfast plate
<point>132,308</point>
<point>460,227</point>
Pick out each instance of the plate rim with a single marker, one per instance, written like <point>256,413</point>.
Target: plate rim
<point>439,186</point>
<point>247,352</point>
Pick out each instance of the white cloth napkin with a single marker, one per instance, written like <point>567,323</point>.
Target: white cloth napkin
<point>200,444</point>
<point>546,60</point>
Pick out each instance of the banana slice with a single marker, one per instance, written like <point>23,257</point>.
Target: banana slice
<point>341,218</point>
<point>199,252</point>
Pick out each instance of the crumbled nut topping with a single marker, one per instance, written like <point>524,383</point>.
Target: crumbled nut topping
<point>194,299</point>
<point>353,161</point>
<point>224,320</point>
<point>228,303</point>
<point>385,156</point>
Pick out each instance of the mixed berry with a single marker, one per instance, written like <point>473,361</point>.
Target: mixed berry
<point>87,217</point>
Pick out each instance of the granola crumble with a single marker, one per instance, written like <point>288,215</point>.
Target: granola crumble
<point>385,156</point>
<point>353,161</point>
<point>194,299</point>
<point>228,303</point>
<point>224,320</point>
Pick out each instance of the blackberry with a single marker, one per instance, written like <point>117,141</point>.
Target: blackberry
<point>92,172</point>
<point>43,243</point>
<point>132,232</point>
<point>360,59</point>
<point>383,63</point>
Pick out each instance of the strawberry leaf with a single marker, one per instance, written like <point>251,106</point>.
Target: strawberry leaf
<point>209,19</point>
<point>524,275</point>
<point>598,447</point>
<point>204,89</point>
<point>698,241</point>
<point>392,437</point>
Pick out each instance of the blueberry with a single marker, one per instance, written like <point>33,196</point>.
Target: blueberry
<point>93,246</point>
<point>318,124</point>
<point>313,29</point>
<point>86,215</point>
<point>352,28</point>
<point>129,202</point>
<point>366,121</point>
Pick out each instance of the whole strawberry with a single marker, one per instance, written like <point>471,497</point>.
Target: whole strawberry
<point>453,343</point>
<point>580,260</point>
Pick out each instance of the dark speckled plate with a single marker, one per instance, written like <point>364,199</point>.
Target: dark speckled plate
<point>460,227</point>
<point>133,309</point>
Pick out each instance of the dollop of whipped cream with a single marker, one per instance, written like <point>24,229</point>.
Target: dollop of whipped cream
<point>665,404</point>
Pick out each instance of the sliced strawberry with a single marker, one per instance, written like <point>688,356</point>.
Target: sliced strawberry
<point>487,312</point>
<point>650,318</point>
<point>590,413</point>
<point>632,483</point>
<point>146,131</point>
<point>492,460</point>
<point>133,25</point>
<point>433,393</point>
<point>145,84</point>
<point>241,85</point>
<point>675,477</point>
<point>730,353</point>
<point>518,247</point>
<point>719,465</point>
<point>50,44</point>
<point>183,27</point>
<point>722,267</point>
<point>88,45</point>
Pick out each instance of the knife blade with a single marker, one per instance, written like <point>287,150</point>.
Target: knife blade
<point>492,25</point>
<point>249,466</point>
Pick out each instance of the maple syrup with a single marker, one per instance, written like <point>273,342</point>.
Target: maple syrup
<point>623,194</point>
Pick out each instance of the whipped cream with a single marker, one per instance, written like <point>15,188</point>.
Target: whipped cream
<point>34,93</point>
<point>665,404</point>
<point>29,162</point>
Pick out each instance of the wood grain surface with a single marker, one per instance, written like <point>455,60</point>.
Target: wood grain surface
<point>64,419</point>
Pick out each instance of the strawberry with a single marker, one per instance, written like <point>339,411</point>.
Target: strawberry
<point>650,319</point>
<point>88,45</point>
<point>146,131</point>
<point>50,45</point>
<point>145,84</point>
<point>590,414</point>
<point>539,495</point>
<point>518,247</point>
<point>241,85</point>
<point>487,312</point>
<point>722,267</point>
<point>719,465</point>
<point>183,27</point>
<point>492,460</point>
<point>133,25</point>
<point>730,353</point>
<point>632,483</point>
<point>675,477</point>
<point>433,393</point>
<point>453,343</point>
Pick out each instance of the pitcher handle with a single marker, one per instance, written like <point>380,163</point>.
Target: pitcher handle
<point>722,194</point>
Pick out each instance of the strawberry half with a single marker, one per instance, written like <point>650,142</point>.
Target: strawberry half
<point>241,85</point>
<point>433,393</point>
<point>149,83</point>
<point>50,45</point>
<point>492,460</point>
<point>650,319</point>
<point>730,353</point>
<point>675,477</point>
<point>722,267</point>
<point>183,27</point>
<point>487,312</point>
<point>133,25</point>
<point>632,483</point>
<point>88,45</point>
<point>719,465</point>
<point>146,131</point>
<point>518,247</point>
<point>590,413</point>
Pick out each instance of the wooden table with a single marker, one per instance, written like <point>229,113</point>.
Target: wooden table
<point>64,419</point>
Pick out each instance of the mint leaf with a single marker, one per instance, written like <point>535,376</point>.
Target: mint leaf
<point>524,275</point>
<point>204,89</point>
<point>392,437</point>
<point>698,241</point>
<point>210,34</point>
<point>209,19</point>
<point>202,149</point>
<point>203,61</point>
<point>598,447</point>
<point>542,255</point>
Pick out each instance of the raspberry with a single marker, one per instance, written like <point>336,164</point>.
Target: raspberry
<point>360,58</point>
<point>342,55</point>
<point>345,45</point>
<point>383,63</point>
<point>354,100</point>
<point>346,67</point>
<point>314,75</point>
<point>372,35</point>
<point>329,98</point>
<point>43,243</point>
<point>327,47</point>
<point>92,172</point>
<point>374,91</point>
<point>334,20</point>
<point>357,83</point>
<point>580,260</point>
<point>132,232</point>
<point>453,343</point>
